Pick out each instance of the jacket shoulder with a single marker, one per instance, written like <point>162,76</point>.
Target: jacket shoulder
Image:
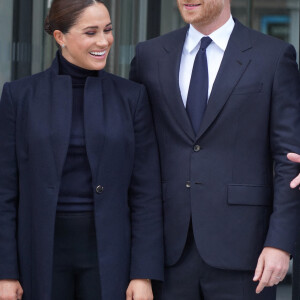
<point>19,84</point>
<point>164,39</point>
<point>124,85</point>
<point>130,93</point>
<point>261,39</point>
<point>21,90</point>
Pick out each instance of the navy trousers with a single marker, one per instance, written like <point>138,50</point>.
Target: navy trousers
<point>75,266</point>
<point>192,279</point>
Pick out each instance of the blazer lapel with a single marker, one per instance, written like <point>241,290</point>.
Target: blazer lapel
<point>235,62</point>
<point>169,80</point>
<point>94,123</point>
<point>61,116</point>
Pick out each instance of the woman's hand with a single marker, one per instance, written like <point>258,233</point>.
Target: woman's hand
<point>139,289</point>
<point>10,290</point>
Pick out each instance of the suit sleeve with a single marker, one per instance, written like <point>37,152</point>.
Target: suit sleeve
<point>145,198</point>
<point>8,188</point>
<point>284,138</point>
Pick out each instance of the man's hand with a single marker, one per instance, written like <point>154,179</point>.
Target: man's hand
<point>139,289</point>
<point>271,268</point>
<point>10,290</point>
<point>295,158</point>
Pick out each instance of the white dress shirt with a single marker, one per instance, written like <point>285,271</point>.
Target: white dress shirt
<point>214,53</point>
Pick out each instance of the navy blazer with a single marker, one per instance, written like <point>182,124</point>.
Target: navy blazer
<point>251,122</point>
<point>35,123</point>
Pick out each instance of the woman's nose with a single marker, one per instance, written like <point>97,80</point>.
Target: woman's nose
<point>102,41</point>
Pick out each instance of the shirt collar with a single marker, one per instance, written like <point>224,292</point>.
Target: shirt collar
<point>220,37</point>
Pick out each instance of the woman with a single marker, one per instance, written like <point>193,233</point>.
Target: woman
<point>80,208</point>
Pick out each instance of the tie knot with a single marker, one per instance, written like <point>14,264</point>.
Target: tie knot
<point>205,41</point>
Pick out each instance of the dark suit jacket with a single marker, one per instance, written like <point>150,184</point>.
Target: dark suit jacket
<point>252,121</point>
<point>35,122</point>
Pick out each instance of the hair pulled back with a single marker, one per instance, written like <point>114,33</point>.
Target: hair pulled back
<point>63,14</point>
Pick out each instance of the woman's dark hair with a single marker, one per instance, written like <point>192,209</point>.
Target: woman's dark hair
<point>63,14</point>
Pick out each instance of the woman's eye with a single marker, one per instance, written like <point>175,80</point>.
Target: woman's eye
<point>90,33</point>
<point>108,29</point>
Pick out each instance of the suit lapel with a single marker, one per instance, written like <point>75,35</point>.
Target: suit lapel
<point>235,62</point>
<point>169,80</point>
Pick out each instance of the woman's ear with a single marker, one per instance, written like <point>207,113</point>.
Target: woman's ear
<point>59,38</point>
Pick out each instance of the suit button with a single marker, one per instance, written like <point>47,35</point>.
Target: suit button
<point>188,184</point>
<point>99,189</point>
<point>197,148</point>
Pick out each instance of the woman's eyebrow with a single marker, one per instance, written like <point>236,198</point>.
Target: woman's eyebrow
<point>95,27</point>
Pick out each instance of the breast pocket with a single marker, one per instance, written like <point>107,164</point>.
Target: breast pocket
<point>248,89</point>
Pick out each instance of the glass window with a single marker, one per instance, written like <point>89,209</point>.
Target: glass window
<point>6,33</point>
<point>170,16</point>
<point>129,20</point>
<point>279,18</point>
<point>136,20</point>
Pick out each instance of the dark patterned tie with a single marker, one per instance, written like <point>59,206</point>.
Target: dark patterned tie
<point>198,90</point>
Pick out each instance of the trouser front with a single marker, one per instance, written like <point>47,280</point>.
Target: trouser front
<point>75,264</point>
<point>192,279</point>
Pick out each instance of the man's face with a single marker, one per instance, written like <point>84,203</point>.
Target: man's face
<point>200,12</point>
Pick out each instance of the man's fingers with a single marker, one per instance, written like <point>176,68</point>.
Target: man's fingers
<point>259,269</point>
<point>276,263</point>
<point>270,278</point>
<point>12,296</point>
<point>277,276</point>
<point>10,289</point>
<point>264,281</point>
<point>129,295</point>
<point>19,295</point>
<point>275,279</point>
<point>295,182</point>
<point>294,157</point>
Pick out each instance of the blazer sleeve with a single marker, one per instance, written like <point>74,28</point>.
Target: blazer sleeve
<point>133,74</point>
<point>145,198</point>
<point>8,188</point>
<point>284,138</point>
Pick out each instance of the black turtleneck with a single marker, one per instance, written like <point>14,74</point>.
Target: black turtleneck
<point>76,190</point>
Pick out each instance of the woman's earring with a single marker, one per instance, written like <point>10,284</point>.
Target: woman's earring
<point>63,45</point>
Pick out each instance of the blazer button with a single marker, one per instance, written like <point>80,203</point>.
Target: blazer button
<point>99,189</point>
<point>188,184</point>
<point>197,148</point>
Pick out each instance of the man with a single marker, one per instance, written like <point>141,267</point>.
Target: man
<point>224,115</point>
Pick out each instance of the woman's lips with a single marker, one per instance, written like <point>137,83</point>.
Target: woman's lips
<point>98,54</point>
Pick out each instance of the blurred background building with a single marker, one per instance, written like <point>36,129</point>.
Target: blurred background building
<point>25,49</point>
